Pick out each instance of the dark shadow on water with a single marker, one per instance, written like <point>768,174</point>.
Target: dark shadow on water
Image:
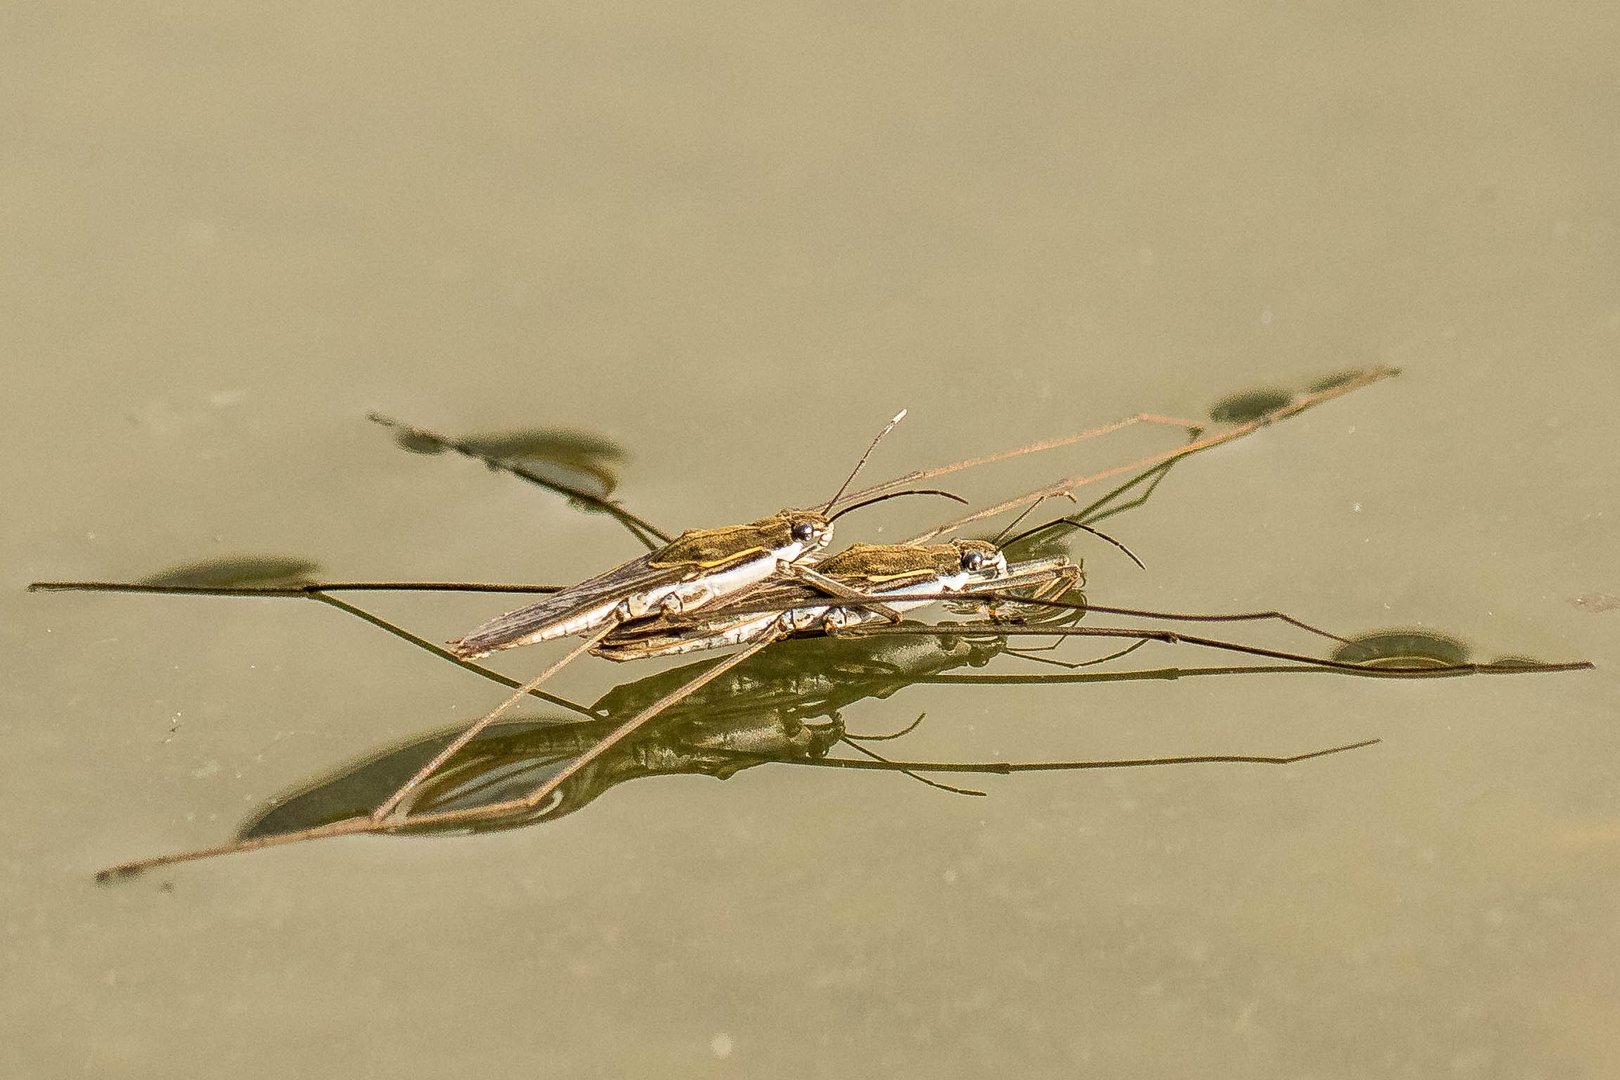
<point>1250,405</point>
<point>1389,648</point>
<point>581,466</point>
<point>244,571</point>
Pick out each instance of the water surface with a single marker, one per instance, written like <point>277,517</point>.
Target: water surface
<point>734,244</point>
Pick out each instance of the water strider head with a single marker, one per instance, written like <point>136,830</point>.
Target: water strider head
<point>980,557</point>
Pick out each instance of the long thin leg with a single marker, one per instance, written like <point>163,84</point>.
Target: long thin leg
<point>1032,448</point>
<point>318,593</point>
<point>1070,483</point>
<point>876,757</point>
<point>1079,607</point>
<point>347,827</point>
<point>422,643</point>
<point>376,823</point>
<point>1076,665</point>
<point>1171,637</point>
<point>1007,768</point>
<point>484,721</point>
<point>371,823</point>
<point>1175,616</point>
<point>836,588</point>
<point>1243,616</point>
<point>362,825</point>
<point>608,742</point>
<point>1168,674</point>
<point>306,589</point>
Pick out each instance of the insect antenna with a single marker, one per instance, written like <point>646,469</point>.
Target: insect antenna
<point>1015,522</point>
<point>1073,524</point>
<point>907,772</point>
<point>907,730</point>
<point>899,416</point>
<point>895,495</point>
<point>1029,654</point>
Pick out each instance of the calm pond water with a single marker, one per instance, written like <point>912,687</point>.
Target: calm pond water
<point>733,244</point>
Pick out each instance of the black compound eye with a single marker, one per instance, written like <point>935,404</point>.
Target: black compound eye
<point>803,531</point>
<point>972,560</point>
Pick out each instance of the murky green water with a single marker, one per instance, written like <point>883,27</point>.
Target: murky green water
<point>735,242</point>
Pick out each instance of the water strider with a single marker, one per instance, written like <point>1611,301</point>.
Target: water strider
<point>872,580</point>
<point>900,577</point>
<point>696,568</point>
<point>385,819</point>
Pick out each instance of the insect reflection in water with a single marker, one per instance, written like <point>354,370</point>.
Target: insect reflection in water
<point>783,706</point>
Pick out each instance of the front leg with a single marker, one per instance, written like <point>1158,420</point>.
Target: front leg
<point>834,587</point>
